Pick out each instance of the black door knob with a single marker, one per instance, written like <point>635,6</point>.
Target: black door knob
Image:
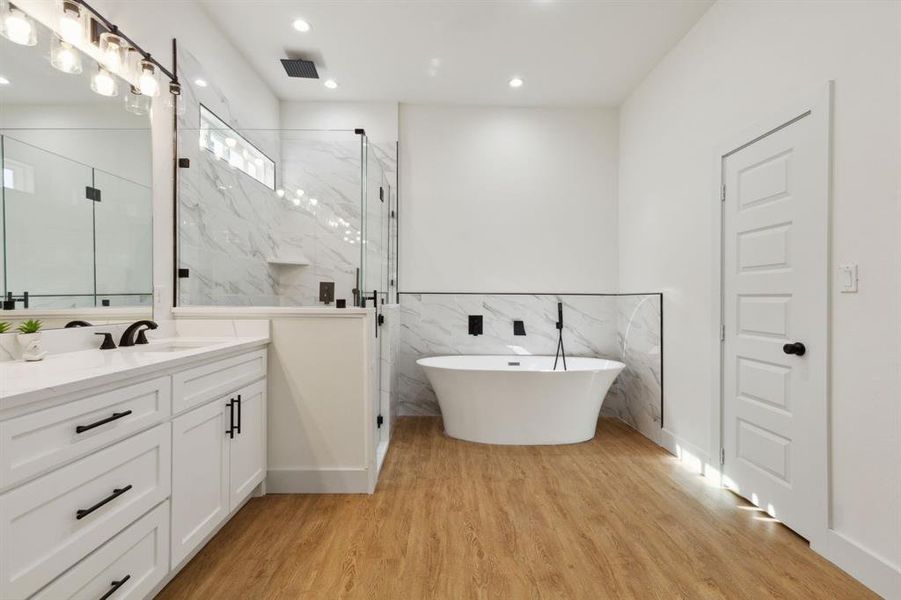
<point>796,348</point>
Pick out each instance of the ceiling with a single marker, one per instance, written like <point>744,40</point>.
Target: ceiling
<point>568,52</point>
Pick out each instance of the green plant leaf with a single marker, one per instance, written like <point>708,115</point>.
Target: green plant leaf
<point>30,326</point>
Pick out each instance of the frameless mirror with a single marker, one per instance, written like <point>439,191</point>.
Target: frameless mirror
<point>76,219</point>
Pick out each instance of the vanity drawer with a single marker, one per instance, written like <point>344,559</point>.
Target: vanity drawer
<point>34,443</point>
<point>130,565</point>
<point>51,523</point>
<point>206,382</point>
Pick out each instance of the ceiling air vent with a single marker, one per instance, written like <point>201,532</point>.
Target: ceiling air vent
<point>298,67</point>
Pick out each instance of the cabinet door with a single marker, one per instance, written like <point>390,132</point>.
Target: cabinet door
<point>247,451</point>
<point>199,475</point>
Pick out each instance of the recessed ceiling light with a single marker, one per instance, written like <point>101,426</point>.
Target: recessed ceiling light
<point>516,82</point>
<point>200,82</point>
<point>301,25</point>
<point>330,84</point>
<point>4,80</point>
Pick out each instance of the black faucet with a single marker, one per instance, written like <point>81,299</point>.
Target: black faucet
<point>128,337</point>
<point>10,302</point>
<point>77,324</point>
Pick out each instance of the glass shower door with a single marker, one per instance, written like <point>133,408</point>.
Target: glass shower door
<point>123,240</point>
<point>50,251</point>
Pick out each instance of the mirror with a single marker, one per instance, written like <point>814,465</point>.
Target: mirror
<point>76,223</point>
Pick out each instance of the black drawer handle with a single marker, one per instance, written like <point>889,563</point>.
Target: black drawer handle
<point>83,512</point>
<point>238,429</point>
<point>110,419</point>
<point>115,586</point>
<point>231,419</point>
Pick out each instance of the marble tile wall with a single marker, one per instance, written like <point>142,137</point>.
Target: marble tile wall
<point>225,217</point>
<point>617,327</point>
<point>230,225</point>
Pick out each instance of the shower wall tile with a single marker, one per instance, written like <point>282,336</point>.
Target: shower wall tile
<point>620,328</point>
<point>230,225</point>
<point>226,218</point>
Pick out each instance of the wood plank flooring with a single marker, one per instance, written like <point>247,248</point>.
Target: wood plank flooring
<point>616,517</point>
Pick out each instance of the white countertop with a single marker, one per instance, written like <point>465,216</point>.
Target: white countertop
<point>22,382</point>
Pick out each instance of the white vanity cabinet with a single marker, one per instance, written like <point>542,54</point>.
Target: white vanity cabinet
<point>108,490</point>
<point>219,457</point>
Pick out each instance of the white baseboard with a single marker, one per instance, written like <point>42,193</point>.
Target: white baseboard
<point>353,480</point>
<point>871,570</point>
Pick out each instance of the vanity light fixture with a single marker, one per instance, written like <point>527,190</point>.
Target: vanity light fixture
<point>330,84</point>
<point>104,83</point>
<point>64,57</point>
<point>71,24</point>
<point>136,102</point>
<point>113,52</point>
<point>18,27</point>
<point>301,25</point>
<point>175,101</point>
<point>147,82</point>
<point>516,82</point>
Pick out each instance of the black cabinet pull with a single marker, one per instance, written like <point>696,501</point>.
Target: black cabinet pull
<point>231,419</point>
<point>83,512</point>
<point>115,586</point>
<point>110,419</point>
<point>239,414</point>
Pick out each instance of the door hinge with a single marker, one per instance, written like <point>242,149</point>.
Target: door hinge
<point>722,456</point>
<point>722,333</point>
<point>92,193</point>
<point>379,420</point>
<point>723,193</point>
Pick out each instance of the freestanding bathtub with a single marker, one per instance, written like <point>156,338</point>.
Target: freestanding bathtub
<point>520,399</point>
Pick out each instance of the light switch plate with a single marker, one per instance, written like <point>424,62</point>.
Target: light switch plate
<point>848,279</point>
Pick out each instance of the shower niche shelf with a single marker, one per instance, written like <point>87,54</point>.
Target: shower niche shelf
<point>298,260</point>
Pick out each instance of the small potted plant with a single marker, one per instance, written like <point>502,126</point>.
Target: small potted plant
<point>4,326</point>
<point>30,340</point>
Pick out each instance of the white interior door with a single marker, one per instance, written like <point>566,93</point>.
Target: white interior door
<point>775,315</point>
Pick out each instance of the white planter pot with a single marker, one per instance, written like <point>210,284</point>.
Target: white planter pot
<point>30,343</point>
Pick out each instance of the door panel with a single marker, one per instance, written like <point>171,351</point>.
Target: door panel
<point>775,216</point>
<point>247,450</point>
<point>199,476</point>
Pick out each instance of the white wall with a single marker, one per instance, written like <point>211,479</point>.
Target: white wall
<point>379,119</point>
<point>741,62</point>
<point>507,199</point>
<point>86,134</point>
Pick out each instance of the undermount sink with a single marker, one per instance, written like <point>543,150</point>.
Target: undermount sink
<point>172,346</point>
